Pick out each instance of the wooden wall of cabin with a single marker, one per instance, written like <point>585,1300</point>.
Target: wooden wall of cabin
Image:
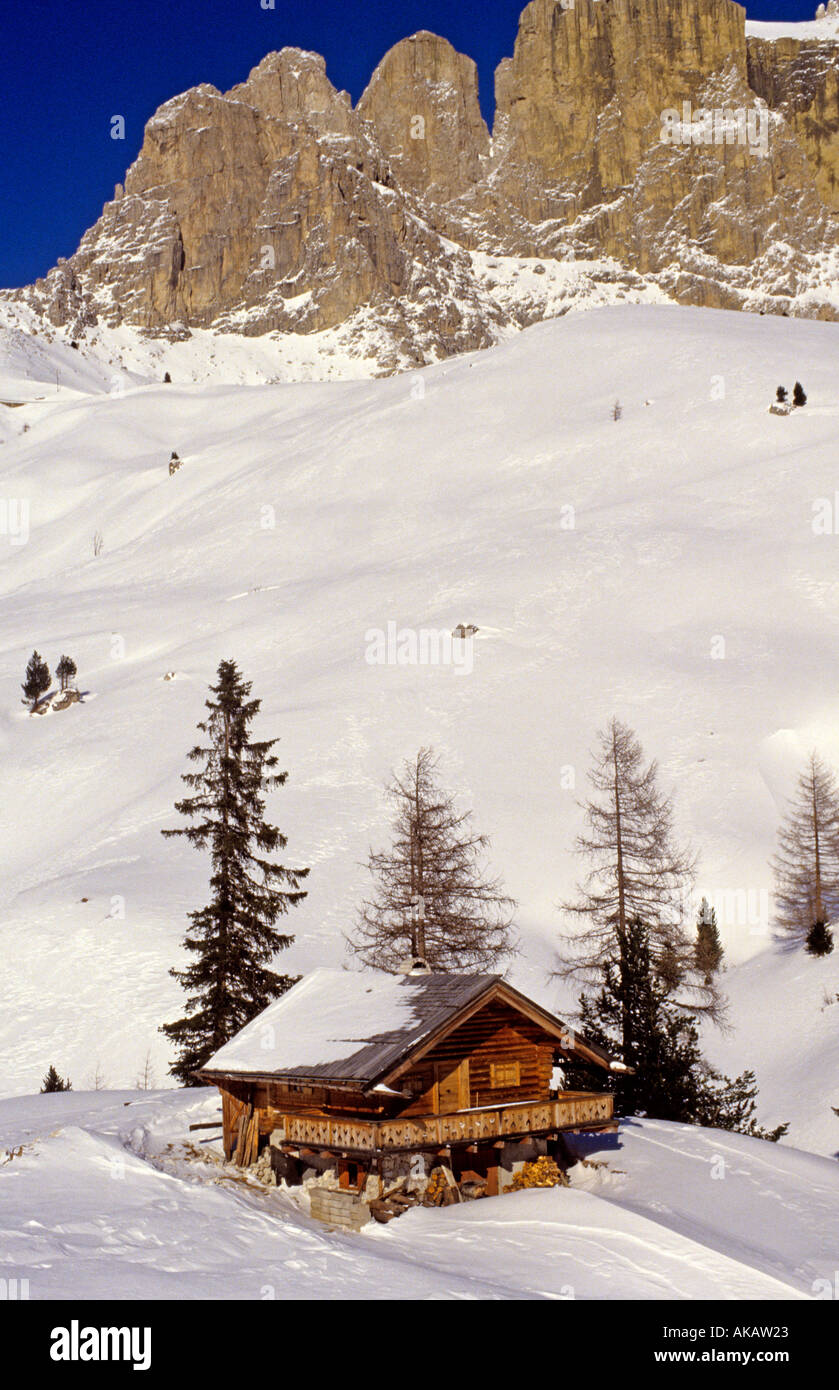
<point>492,1039</point>
<point>462,1071</point>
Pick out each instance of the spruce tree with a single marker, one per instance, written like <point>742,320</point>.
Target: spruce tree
<point>53,1082</point>
<point>233,938</point>
<point>798,395</point>
<point>37,681</point>
<point>806,864</point>
<point>432,897</point>
<point>633,1016</point>
<point>781,394</point>
<point>708,951</point>
<point>819,940</point>
<point>636,870</point>
<point>66,671</point>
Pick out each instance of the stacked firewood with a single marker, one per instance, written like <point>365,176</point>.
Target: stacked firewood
<point>542,1172</point>
<point>394,1203</point>
<point>438,1190</point>
<point>247,1138</point>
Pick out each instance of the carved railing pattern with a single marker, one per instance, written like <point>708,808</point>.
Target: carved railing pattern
<point>464,1126</point>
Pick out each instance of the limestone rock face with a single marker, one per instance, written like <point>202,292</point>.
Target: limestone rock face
<point>581,98</point>
<point>800,79</point>
<point>580,167</point>
<point>422,102</point>
<point>270,207</point>
<point>279,206</point>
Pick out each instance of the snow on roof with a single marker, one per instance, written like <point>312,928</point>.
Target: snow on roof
<point>340,1026</point>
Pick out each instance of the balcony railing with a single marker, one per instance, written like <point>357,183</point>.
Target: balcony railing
<point>573,1110</point>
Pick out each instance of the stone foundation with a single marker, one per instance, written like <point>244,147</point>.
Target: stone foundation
<point>336,1207</point>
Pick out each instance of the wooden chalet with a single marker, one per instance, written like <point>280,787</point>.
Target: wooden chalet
<point>368,1074</point>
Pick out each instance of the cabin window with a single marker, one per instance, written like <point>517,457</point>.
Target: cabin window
<point>416,1083</point>
<point>504,1074</point>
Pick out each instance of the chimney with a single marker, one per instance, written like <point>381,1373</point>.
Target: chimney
<point>414,965</point>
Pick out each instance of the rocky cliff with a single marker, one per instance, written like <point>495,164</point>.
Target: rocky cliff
<point>277,206</point>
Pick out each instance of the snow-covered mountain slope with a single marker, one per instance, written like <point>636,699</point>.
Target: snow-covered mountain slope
<point>124,1196</point>
<point>663,567</point>
<point>784,1009</point>
<point>39,360</point>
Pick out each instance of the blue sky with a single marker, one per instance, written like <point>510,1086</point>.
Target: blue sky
<point>68,68</point>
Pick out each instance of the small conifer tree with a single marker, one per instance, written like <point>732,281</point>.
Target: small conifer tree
<point>708,950</point>
<point>53,1082</point>
<point>37,681</point>
<point>66,671</point>
<point>819,940</point>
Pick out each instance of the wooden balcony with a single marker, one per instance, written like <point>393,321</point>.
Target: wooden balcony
<point>572,1110</point>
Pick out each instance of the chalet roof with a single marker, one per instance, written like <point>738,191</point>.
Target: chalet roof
<point>344,1028</point>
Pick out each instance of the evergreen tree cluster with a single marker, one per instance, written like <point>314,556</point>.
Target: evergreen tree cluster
<point>646,981</point>
<point>37,680</point>
<point>799,396</point>
<point>633,1015</point>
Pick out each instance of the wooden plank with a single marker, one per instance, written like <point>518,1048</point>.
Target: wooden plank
<point>237,1148</point>
<point>242,1143</point>
<point>253,1140</point>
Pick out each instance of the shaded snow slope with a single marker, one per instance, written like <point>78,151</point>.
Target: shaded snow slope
<point>663,567</point>
<point>110,1197</point>
<point>785,1010</point>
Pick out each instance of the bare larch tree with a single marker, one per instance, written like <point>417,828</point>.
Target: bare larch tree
<point>432,897</point>
<point>638,873</point>
<point>806,864</point>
